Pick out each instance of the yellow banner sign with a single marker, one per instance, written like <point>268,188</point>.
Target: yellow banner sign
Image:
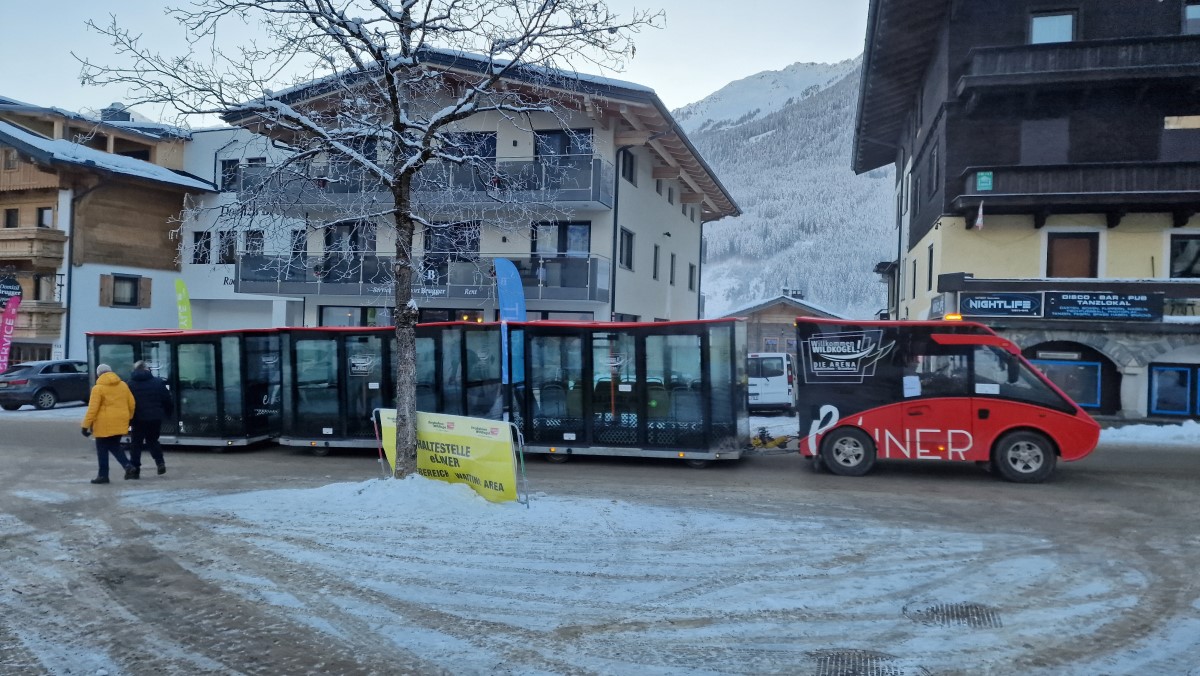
<point>183,304</point>
<point>459,450</point>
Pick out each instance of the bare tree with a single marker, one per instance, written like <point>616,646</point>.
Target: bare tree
<point>371,92</point>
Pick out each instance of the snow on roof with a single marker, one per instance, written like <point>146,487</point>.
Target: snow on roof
<point>746,309</point>
<point>447,57</point>
<point>61,150</point>
<point>151,128</point>
<point>147,128</point>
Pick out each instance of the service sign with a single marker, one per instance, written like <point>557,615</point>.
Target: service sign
<point>1000,304</point>
<point>459,450</point>
<point>1104,306</point>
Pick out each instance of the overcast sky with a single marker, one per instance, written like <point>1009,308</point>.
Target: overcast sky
<point>703,45</point>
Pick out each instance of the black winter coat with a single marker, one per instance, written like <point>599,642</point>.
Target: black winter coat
<point>153,399</point>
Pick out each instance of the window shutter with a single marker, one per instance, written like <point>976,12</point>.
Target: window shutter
<point>144,292</point>
<point>106,291</point>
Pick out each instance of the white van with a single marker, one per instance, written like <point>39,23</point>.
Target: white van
<point>772,381</point>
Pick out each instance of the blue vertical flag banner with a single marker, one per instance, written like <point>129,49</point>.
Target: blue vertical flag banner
<point>510,291</point>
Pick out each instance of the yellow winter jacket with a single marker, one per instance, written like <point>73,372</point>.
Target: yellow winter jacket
<point>110,407</point>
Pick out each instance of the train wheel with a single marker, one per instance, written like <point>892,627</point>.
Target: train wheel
<point>848,451</point>
<point>1025,457</point>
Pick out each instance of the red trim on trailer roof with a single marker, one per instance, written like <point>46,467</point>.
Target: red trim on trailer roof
<point>149,333</point>
<point>894,322</point>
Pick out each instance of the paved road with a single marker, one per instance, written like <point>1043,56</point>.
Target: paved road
<point>73,558</point>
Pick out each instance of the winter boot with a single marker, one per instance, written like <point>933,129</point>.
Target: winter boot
<point>162,469</point>
<point>100,480</point>
<point>131,472</point>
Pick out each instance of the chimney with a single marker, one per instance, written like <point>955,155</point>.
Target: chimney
<point>793,293</point>
<point>115,112</point>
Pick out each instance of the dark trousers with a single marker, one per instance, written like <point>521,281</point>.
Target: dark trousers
<point>106,445</point>
<point>145,433</point>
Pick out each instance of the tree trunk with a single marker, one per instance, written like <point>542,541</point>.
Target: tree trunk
<point>405,314</point>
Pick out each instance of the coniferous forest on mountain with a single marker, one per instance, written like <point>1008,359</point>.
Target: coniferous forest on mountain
<point>808,221</point>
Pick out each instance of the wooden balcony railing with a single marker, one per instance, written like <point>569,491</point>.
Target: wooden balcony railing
<point>1112,185</point>
<point>42,246</point>
<point>1143,58</point>
<point>39,319</point>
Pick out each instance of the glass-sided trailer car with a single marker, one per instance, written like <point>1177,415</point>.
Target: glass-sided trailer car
<point>226,384</point>
<point>930,390</point>
<point>663,389</point>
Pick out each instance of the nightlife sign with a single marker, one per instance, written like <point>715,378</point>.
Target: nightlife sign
<point>1000,304</point>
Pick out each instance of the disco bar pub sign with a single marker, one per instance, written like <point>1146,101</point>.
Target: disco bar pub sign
<point>1063,305</point>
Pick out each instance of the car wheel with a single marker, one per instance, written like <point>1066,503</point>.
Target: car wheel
<point>45,399</point>
<point>10,407</point>
<point>848,451</point>
<point>556,457</point>
<point>1024,457</point>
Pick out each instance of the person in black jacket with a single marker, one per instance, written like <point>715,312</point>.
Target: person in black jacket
<point>154,404</point>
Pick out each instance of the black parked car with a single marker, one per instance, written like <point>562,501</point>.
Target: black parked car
<point>43,383</point>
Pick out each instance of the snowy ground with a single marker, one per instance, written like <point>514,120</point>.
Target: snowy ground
<point>430,574</point>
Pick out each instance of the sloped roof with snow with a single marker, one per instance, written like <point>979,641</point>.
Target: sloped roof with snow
<point>55,152</point>
<point>812,308</point>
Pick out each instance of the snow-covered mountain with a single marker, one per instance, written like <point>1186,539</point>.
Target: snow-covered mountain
<point>808,222</point>
<point>758,95</point>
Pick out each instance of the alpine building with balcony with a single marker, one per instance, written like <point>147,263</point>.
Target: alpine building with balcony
<point>600,205</point>
<point>1048,183</point>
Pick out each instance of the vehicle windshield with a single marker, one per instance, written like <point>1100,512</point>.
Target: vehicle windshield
<point>1001,374</point>
<point>764,367</point>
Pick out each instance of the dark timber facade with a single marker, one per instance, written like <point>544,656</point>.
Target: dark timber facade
<point>1048,183</point>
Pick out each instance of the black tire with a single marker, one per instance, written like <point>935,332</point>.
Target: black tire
<point>320,451</point>
<point>848,451</point>
<point>556,458</point>
<point>1024,457</point>
<point>697,464</point>
<point>10,407</point>
<point>44,399</point>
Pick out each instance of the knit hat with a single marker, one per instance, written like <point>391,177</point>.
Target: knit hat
<point>102,369</point>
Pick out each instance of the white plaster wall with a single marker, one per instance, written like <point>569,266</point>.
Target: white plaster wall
<point>87,315</point>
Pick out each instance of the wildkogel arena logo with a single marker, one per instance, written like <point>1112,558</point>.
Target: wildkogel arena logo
<point>844,358</point>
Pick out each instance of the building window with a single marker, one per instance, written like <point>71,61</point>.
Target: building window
<point>682,207</point>
<point>692,214</point>
<point>770,345</point>
<point>654,270</point>
<point>672,270</point>
<point>45,217</point>
<point>1185,256</point>
<point>934,170</point>
<point>1048,28</point>
<point>10,159</point>
<point>256,161</point>
<point>914,279</point>
<point>227,247</point>
<point>626,250</point>
<point>201,248</point>
<point>1072,254</point>
<point>916,194</point>
<point>658,185</point>
<point>255,242</point>
<point>229,174</point>
<point>1171,389</point>
<point>929,271</point>
<point>629,167</point>
<point>127,291</point>
<point>10,218</point>
<point>691,276</point>
<point>624,317</point>
<point>1191,18</point>
<point>670,195</point>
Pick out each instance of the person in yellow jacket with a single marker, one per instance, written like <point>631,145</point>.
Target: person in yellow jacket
<point>110,408</point>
